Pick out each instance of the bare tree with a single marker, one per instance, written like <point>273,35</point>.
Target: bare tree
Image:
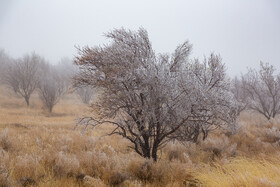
<point>263,89</point>
<point>51,87</point>
<point>67,70</point>
<point>85,93</point>
<point>153,99</point>
<point>211,104</point>
<point>5,60</point>
<point>10,77</point>
<point>22,75</point>
<point>7,71</point>
<point>240,94</point>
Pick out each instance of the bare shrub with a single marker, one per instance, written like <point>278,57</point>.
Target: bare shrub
<point>154,99</point>
<point>263,90</point>
<point>51,88</point>
<point>240,94</point>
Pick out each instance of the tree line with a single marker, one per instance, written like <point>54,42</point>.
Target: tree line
<point>32,73</point>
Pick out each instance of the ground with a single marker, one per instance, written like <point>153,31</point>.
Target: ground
<point>42,149</point>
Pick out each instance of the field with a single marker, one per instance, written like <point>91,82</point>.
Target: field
<point>42,149</point>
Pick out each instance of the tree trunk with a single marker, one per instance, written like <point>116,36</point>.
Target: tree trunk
<point>155,149</point>
<point>26,100</point>
<point>205,134</point>
<point>146,152</point>
<point>50,109</point>
<point>146,149</point>
<point>154,152</point>
<point>267,117</point>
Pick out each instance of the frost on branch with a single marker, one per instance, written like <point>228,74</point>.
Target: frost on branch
<point>152,99</point>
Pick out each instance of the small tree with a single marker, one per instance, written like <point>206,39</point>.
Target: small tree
<point>67,70</point>
<point>5,60</point>
<point>210,102</point>
<point>85,93</point>
<point>153,99</point>
<point>240,94</point>
<point>51,88</point>
<point>22,75</point>
<point>10,78</point>
<point>263,90</point>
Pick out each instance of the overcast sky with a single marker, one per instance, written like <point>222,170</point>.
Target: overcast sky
<point>243,32</point>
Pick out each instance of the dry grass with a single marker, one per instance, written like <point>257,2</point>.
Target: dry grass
<point>242,171</point>
<point>42,149</point>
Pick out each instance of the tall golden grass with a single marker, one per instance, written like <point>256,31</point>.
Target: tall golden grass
<point>42,149</point>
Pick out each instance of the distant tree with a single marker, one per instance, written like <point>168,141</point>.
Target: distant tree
<point>9,77</point>
<point>5,60</point>
<point>153,99</point>
<point>67,70</point>
<point>263,89</point>
<point>7,71</point>
<point>51,88</point>
<point>240,94</point>
<point>22,75</point>
<point>85,93</point>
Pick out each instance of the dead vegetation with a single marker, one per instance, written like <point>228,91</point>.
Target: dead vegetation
<point>43,150</point>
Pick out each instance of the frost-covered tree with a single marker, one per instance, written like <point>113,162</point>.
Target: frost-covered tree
<point>152,99</point>
<point>240,94</point>
<point>208,98</point>
<point>263,90</point>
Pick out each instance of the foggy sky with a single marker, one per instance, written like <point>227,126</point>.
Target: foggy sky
<point>243,32</point>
